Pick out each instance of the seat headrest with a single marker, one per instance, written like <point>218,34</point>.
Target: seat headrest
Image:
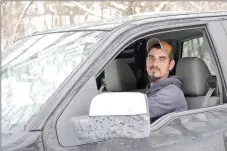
<point>194,74</point>
<point>119,76</point>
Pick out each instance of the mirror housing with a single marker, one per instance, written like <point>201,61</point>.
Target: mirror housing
<point>114,115</point>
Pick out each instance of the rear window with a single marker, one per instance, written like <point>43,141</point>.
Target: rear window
<point>195,48</point>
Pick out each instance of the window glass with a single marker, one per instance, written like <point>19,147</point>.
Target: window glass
<point>195,48</point>
<point>36,67</point>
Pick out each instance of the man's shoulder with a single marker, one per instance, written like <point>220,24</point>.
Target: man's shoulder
<point>170,84</point>
<point>172,89</point>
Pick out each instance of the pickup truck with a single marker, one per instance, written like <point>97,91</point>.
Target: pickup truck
<point>81,88</point>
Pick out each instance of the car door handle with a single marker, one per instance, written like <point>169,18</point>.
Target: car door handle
<point>225,140</point>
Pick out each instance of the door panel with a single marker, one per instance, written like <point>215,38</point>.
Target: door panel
<point>184,131</point>
<point>198,131</point>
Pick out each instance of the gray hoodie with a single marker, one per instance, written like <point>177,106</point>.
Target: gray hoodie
<point>166,96</point>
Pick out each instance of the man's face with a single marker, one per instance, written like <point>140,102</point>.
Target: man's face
<point>158,64</point>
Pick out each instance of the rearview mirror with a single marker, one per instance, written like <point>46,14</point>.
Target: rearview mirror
<point>114,115</point>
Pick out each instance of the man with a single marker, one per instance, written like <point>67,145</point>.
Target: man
<point>165,94</point>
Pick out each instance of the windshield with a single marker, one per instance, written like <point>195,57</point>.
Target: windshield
<point>34,67</point>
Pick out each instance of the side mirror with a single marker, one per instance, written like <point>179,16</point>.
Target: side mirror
<point>114,115</point>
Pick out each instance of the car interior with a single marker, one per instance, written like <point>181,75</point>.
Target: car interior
<point>194,65</point>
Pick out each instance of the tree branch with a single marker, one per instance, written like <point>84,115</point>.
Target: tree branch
<point>87,10</point>
<point>192,3</point>
<point>20,19</point>
<point>205,4</point>
<point>161,6</point>
<point>118,6</point>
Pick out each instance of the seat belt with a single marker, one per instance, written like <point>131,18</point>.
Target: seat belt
<point>101,89</point>
<point>103,86</point>
<point>207,97</point>
<point>212,84</point>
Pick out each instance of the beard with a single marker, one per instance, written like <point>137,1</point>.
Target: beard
<point>153,78</point>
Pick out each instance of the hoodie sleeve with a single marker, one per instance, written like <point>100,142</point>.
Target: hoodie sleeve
<point>166,100</point>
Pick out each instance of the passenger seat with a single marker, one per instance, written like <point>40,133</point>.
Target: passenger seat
<point>120,77</point>
<point>195,75</point>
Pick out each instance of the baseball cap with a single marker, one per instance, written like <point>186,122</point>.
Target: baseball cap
<point>164,45</point>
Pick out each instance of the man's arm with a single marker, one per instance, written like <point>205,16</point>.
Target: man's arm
<point>166,100</point>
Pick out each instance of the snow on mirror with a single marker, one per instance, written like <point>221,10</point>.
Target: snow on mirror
<point>114,115</point>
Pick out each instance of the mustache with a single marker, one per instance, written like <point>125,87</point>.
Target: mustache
<point>152,67</point>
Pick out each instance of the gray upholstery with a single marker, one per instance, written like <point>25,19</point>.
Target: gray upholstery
<point>194,75</point>
<point>196,102</point>
<point>119,76</point>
